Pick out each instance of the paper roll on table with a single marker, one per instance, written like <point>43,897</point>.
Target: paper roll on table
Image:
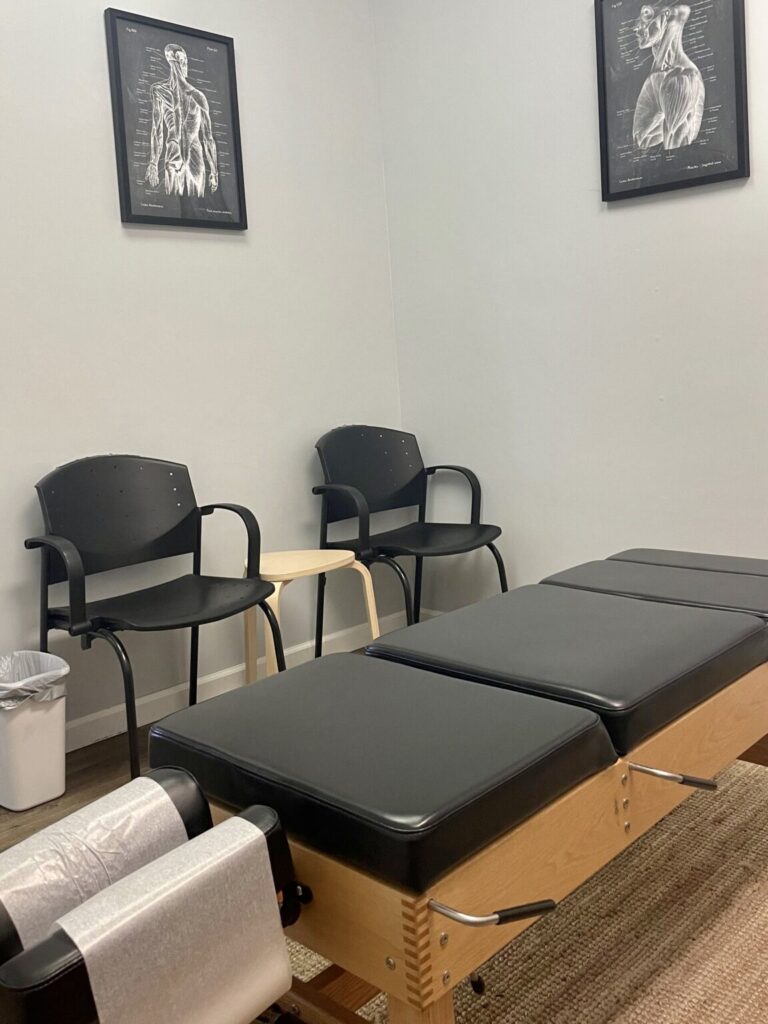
<point>56,870</point>
<point>193,938</point>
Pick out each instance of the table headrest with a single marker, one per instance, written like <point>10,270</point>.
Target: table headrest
<point>66,863</point>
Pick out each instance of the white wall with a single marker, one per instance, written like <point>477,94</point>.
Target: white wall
<point>603,369</point>
<point>230,352</point>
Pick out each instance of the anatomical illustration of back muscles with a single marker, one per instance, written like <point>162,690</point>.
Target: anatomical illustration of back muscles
<point>181,136</point>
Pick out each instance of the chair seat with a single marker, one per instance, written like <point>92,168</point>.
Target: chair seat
<point>399,772</point>
<point>186,601</point>
<point>428,539</point>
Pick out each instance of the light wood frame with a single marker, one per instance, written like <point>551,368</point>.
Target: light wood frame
<point>283,567</point>
<point>382,938</point>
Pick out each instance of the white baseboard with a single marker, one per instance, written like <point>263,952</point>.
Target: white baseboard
<point>82,732</point>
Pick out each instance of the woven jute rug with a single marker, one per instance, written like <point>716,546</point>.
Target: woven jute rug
<point>674,931</point>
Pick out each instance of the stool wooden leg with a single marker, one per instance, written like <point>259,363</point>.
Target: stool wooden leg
<point>274,603</point>
<point>370,597</point>
<point>440,1012</point>
<point>251,630</point>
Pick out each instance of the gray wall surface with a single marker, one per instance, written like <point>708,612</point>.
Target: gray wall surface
<point>602,369</point>
<point>230,352</point>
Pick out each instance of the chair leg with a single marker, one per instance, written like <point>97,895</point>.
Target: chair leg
<point>130,696</point>
<point>251,636</point>
<point>273,601</point>
<point>398,570</point>
<point>417,590</point>
<point>277,638</point>
<point>500,565</point>
<point>194,648</point>
<point>320,613</point>
<point>44,600</point>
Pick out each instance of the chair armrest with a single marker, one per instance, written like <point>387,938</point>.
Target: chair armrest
<point>474,483</point>
<point>254,534</point>
<point>361,507</point>
<point>73,563</point>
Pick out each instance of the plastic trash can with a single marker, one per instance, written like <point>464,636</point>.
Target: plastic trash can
<point>32,728</point>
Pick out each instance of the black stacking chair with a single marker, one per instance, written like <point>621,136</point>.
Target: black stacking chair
<point>374,469</point>
<point>111,511</point>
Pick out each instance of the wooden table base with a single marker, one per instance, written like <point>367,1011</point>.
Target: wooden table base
<point>440,1012</point>
<point>334,996</point>
<point>390,940</point>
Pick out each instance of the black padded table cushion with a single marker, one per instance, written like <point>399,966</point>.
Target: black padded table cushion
<point>638,664</point>
<point>399,772</point>
<point>695,560</point>
<point>705,589</point>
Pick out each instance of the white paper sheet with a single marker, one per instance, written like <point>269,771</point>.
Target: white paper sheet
<point>194,938</point>
<point>62,866</point>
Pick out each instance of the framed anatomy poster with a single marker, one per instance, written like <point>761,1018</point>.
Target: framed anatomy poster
<point>177,133</point>
<point>672,87</point>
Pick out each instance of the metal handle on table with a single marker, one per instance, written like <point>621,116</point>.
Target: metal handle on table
<point>506,916</point>
<point>682,780</point>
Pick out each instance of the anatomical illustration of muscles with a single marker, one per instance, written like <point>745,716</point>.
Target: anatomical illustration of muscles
<point>182,136</point>
<point>670,108</point>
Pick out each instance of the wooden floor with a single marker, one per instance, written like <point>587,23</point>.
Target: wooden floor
<point>96,770</point>
<point>91,772</point>
<point>759,753</point>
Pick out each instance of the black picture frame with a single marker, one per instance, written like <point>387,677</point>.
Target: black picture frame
<point>195,185</point>
<point>719,151</point>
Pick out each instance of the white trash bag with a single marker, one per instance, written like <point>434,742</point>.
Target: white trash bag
<point>32,728</point>
<point>31,675</point>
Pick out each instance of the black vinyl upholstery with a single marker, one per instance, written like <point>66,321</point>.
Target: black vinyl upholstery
<point>187,797</point>
<point>10,943</point>
<point>399,772</point>
<point>638,664</point>
<point>695,560</point>
<point>48,982</point>
<point>699,587</point>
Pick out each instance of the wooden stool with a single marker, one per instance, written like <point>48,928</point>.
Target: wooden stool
<point>280,568</point>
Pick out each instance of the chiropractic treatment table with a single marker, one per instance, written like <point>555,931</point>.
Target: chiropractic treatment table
<point>448,789</point>
<point>679,577</point>
<point>432,818</point>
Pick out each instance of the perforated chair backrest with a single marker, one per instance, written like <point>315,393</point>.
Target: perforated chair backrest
<point>385,465</point>
<point>119,510</point>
